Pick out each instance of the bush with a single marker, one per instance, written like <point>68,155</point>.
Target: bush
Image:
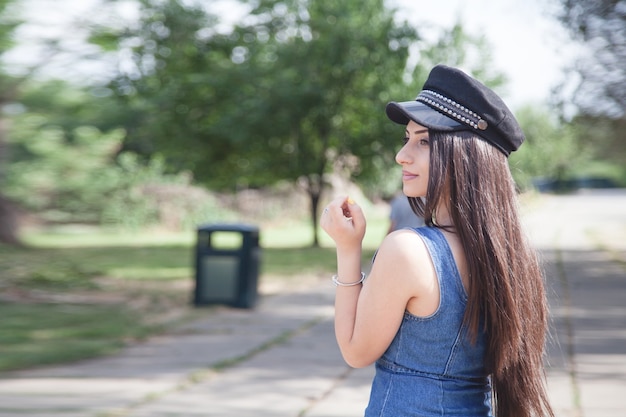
<point>62,181</point>
<point>552,149</point>
<point>148,197</point>
<point>81,181</point>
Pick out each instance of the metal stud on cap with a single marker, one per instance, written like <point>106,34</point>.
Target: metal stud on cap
<point>452,108</point>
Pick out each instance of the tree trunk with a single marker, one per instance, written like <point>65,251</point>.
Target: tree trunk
<point>315,187</point>
<point>315,199</point>
<point>8,223</point>
<point>8,215</point>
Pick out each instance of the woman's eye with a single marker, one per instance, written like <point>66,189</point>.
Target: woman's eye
<point>424,142</point>
<point>405,140</point>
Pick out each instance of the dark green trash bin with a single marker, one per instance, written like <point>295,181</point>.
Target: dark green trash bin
<point>227,273</point>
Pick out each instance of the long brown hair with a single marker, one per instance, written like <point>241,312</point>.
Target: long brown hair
<point>506,290</point>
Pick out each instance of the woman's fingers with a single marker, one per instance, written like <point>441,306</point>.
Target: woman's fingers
<point>343,220</point>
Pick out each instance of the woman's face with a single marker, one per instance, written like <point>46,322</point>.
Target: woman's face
<point>414,157</point>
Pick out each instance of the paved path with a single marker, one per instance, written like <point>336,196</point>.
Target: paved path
<point>281,359</point>
<point>583,241</point>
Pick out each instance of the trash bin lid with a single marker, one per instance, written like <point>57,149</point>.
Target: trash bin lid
<point>228,227</point>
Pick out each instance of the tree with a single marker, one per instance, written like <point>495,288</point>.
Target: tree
<point>600,90</point>
<point>11,85</point>
<point>296,91</point>
<point>328,69</point>
<point>61,173</point>
<point>173,87</point>
<point>290,95</point>
<point>607,137</point>
<point>601,26</point>
<point>551,150</point>
<point>8,88</point>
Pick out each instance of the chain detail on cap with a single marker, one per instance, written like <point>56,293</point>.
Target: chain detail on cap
<point>452,109</point>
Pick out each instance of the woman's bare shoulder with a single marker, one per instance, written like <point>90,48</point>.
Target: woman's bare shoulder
<point>405,251</point>
<point>403,243</point>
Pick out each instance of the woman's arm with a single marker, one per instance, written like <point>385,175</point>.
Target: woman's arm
<point>367,316</point>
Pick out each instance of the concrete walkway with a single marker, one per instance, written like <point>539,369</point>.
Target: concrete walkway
<point>583,241</point>
<point>281,359</point>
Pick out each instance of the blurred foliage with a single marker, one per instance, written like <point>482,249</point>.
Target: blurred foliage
<point>598,80</point>
<point>601,27</point>
<point>175,83</point>
<point>584,148</point>
<point>8,23</point>
<point>294,91</point>
<point>67,172</point>
<point>552,149</point>
<point>59,178</point>
<point>146,195</point>
<point>606,138</point>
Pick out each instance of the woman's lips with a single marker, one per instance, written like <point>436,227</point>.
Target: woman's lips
<point>406,176</point>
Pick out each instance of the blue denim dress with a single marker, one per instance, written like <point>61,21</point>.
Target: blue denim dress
<point>431,368</point>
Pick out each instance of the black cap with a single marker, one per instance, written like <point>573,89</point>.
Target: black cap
<point>451,101</point>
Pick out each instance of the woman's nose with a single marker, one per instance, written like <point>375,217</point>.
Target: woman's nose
<point>402,157</point>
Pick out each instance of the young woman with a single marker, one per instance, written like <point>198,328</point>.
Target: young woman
<point>454,313</point>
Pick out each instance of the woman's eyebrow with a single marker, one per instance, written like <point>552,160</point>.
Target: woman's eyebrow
<point>417,132</point>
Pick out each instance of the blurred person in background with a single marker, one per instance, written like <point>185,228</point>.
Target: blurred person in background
<point>401,214</point>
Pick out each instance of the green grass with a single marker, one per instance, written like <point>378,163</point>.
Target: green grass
<point>42,334</point>
<point>76,293</point>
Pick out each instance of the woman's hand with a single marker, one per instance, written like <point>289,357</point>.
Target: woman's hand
<point>344,222</point>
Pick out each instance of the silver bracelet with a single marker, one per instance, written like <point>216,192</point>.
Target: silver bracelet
<point>338,283</point>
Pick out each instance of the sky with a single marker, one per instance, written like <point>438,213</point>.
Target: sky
<point>529,46</point>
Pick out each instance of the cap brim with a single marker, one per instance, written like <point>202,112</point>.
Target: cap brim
<point>420,113</point>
